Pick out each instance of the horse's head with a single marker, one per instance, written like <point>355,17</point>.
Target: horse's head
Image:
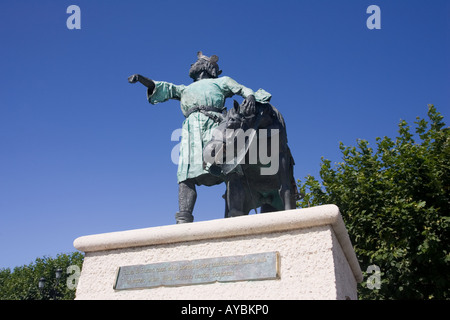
<point>231,139</point>
<point>224,137</point>
<point>236,119</point>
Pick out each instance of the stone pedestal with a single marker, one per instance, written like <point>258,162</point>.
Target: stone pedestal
<point>315,258</point>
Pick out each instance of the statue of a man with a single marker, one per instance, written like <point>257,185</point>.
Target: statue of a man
<point>202,103</point>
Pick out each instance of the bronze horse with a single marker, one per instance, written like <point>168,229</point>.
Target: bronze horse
<point>250,153</point>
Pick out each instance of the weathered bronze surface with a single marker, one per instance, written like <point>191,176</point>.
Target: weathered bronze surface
<point>268,183</point>
<point>259,266</point>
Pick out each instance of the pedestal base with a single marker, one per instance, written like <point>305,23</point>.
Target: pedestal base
<point>315,257</point>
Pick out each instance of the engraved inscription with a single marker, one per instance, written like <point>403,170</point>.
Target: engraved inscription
<point>258,266</point>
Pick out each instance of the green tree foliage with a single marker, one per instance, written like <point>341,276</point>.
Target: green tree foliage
<point>395,203</point>
<point>22,282</point>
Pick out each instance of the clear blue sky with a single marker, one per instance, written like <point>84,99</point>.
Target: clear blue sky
<point>83,152</point>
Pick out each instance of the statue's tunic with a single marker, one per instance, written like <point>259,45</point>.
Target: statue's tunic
<point>197,127</point>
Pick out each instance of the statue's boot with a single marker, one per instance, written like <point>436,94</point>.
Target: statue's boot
<point>187,195</point>
<point>184,217</point>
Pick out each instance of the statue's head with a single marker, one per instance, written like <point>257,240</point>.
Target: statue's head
<point>205,67</point>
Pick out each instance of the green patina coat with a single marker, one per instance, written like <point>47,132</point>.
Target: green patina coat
<point>197,128</point>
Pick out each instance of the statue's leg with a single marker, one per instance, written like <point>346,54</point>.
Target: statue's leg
<point>186,201</point>
<point>235,196</point>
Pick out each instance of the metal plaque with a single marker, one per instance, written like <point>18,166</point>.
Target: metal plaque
<point>259,266</point>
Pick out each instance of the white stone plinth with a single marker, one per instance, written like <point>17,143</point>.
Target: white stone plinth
<point>317,260</point>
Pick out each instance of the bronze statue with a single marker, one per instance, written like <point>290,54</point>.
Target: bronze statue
<point>203,104</point>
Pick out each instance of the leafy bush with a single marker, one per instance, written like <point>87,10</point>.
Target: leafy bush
<point>22,282</point>
<point>395,203</point>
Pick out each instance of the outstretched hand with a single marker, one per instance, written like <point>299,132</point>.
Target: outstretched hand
<point>249,105</point>
<point>150,84</point>
<point>133,78</point>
